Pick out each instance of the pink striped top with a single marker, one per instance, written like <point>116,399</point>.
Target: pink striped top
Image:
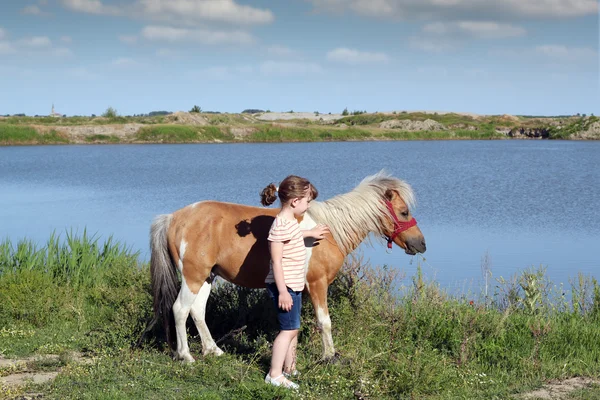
<point>294,252</point>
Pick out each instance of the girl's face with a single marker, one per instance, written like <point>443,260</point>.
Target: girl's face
<point>300,205</point>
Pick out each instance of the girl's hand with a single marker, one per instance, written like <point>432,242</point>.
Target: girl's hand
<point>285,301</point>
<point>319,231</point>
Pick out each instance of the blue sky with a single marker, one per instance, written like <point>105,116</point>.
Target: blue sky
<point>535,57</point>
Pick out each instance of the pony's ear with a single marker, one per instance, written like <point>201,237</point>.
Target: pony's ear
<point>389,194</point>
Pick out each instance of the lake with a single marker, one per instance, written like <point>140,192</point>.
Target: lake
<point>517,203</point>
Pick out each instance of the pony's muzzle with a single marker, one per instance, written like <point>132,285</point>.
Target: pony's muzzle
<point>415,246</point>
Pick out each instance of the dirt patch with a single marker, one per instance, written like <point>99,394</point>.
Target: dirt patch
<point>278,116</point>
<point>412,126</point>
<point>79,133</point>
<point>185,118</point>
<point>18,372</point>
<point>24,378</point>
<point>558,390</point>
<point>241,133</point>
<point>592,133</point>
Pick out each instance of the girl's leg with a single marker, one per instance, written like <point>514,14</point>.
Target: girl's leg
<point>281,345</point>
<point>289,364</point>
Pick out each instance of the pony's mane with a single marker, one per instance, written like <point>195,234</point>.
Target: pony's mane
<point>353,215</point>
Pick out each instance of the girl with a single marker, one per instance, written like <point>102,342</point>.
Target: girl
<point>286,277</point>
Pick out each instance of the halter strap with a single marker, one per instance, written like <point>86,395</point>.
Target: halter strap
<point>399,226</point>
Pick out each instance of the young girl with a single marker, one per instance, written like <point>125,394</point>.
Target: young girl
<point>286,277</point>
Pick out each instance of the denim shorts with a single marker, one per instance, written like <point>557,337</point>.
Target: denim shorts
<point>288,320</point>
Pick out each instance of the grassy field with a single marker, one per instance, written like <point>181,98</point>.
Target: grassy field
<point>235,128</point>
<point>398,339</point>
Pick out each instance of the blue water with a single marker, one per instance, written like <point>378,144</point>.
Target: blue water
<point>518,203</point>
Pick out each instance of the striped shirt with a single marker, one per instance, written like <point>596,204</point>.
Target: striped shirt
<point>294,253</point>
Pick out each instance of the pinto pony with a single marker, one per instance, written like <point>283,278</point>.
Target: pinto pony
<point>209,238</point>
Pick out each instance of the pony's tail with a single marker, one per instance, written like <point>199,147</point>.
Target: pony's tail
<point>164,277</point>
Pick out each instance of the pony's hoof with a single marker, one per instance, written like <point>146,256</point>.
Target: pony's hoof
<point>185,358</point>
<point>334,359</point>
<point>215,351</point>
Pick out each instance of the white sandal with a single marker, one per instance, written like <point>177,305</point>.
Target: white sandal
<point>294,374</point>
<point>283,382</point>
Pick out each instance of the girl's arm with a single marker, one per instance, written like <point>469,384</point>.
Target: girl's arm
<point>285,299</point>
<point>318,232</point>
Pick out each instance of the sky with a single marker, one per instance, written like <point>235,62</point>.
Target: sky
<point>523,57</point>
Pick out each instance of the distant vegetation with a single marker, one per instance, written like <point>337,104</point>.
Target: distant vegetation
<point>110,113</point>
<point>252,111</point>
<point>201,127</point>
<point>196,109</point>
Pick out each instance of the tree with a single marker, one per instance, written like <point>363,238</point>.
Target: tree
<point>196,109</point>
<point>345,112</point>
<point>110,113</point>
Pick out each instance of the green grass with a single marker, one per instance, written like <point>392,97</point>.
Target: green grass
<point>100,138</point>
<point>16,134</point>
<point>168,134</point>
<point>396,342</point>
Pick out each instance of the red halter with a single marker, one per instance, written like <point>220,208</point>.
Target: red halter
<point>399,227</point>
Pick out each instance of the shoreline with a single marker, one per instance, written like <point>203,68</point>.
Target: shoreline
<point>189,128</point>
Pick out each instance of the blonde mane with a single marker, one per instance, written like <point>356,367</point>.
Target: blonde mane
<point>353,215</point>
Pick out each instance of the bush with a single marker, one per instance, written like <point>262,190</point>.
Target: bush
<point>110,113</point>
<point>196,109</point>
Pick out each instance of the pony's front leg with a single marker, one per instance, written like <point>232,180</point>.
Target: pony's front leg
<point>318,295</point>
<point>181,310</point>
<point>198,315</point>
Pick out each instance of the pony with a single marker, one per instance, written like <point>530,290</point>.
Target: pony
<point>208,239</point>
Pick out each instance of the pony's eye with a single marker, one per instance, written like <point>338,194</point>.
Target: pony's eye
<point>405,214</point>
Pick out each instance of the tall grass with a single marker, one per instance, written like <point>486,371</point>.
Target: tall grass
<point>16,134</point>
<point>75,261</point>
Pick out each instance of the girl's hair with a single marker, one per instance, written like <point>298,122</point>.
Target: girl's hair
<point>292,187</point>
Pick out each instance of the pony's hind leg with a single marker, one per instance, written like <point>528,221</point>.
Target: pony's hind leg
<point>181,311</point>
<point>198,314</point>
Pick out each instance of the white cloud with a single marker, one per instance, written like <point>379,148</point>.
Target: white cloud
<point>222,72</point>
<point>81,73</point>
<point>281,51</point>
<point>2,33</point>
<point>352,56</point>
<point>457,9</point>
<point>92,7</point>
<point>431,45</point>
<point>6,48</point>
<point>33,45</point>
<point>66,39</point>
<point>555,54</point>
<point>206,10</point>
<point>167,53</point>
<point>124,62</point>
<point>36,41</point>
<point>190,12</point>
<point>288,68</point>
<point>566,53</point>
<point>204,36</point>
<point>62,52</point>
<point>476,29</point>
<point>33,10</point>
<point>433,71</point>
<point>128,39</point>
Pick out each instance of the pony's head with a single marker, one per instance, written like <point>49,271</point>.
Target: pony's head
<point>398,225</point>
<point>380,204</point>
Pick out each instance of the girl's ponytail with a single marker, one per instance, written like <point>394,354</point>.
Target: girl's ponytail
<point>268,195</point>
